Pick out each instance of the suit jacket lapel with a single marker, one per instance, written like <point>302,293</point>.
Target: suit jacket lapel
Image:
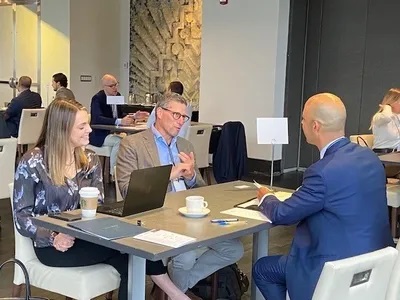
<point>151,147</point>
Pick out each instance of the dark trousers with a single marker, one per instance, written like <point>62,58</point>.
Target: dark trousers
<point>269,274</point>
<point>84,253</point>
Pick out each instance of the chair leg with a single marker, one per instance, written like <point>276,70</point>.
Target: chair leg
<point>394,221</point>
<point>17,290</point>
<point>214,286</point>
<point>106,170</point>
<point>109,295</point>
<point>208,175</point>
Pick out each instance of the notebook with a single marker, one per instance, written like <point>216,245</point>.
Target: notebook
<point>108,228</point>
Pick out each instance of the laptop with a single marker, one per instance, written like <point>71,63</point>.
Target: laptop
<point>146,191</point>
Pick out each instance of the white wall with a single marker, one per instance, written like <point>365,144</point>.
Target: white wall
<point>243,65</point>
<point>55,44</point>
<point>95,45</point>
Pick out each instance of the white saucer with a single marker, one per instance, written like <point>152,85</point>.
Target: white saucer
<point>184,212</point>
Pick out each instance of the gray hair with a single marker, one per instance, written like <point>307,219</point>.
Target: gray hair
<point>169,97</point>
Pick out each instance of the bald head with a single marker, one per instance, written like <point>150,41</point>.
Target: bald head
<point>328,110</point>
<point>110,85</point>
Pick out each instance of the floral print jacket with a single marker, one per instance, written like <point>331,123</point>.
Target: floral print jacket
<point>35,194</point>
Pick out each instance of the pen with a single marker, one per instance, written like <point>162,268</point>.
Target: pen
<point>224,220</point>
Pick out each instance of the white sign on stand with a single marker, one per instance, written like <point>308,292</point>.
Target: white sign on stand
<point>272,131</point>
<point>118,100</point>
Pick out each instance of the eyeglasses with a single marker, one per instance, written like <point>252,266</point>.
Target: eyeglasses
<point>113,85</point>
<point>177,115</point>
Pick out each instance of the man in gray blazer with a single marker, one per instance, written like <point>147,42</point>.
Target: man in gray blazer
<point>161,145</point>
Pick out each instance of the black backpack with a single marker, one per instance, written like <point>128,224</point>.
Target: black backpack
<point>232,284</point>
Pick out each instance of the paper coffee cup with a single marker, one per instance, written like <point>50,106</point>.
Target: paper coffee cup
<point>195,204</point>
<point>89,197</point>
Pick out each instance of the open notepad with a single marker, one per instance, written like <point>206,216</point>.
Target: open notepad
<point>166,238</point>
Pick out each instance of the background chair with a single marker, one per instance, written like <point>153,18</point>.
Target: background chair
<point>199,135</point>
<point>118,195</point>
<point>29,127</point>
<point>365,140</point>
<point>393,200</point>
<point>84,283</point>
<point>364,277</point>
<point>8,150</point>
<point>393,292</point>
<point>104,153</point>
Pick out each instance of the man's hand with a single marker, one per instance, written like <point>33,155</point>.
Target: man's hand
<point>127,120</point>
<point>188,160</point>
<point>140,115</point>
<point>262,191</point>
<point>178,171</point>
<point>62,242</point>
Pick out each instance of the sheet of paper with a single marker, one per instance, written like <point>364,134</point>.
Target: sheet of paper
<point>257,184</point>
<point>282,196</point>
<point>115,100</point>
<point>246,213</point>
<point>249,203</point>
<point>272,131</point>
<point>241,187</point>
<point>166,238</point>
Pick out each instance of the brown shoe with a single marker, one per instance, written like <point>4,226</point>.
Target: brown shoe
<point>192,296</point>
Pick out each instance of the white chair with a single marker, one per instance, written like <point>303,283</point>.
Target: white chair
<point>30,126</point>
<point>365,140</point>
<point>393,292</point>
<point>81,283</point>
<point>393,200</point>
<point>105,153</point>
<point>364,277</point>
<point>117,190</point>
<point>199,135</point>
<point>8,150</point>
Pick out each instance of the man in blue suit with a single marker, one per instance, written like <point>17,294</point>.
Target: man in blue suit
<point>25,99</point>
<point>340,208</point>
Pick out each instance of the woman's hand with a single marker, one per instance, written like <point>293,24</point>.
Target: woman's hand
<point>62,242</point>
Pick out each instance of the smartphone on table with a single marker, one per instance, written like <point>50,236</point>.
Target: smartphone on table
<point>65,216</point>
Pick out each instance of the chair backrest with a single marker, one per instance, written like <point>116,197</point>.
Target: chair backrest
<point>364,277</point>
<point>23,245</point>
<point>8,150</point>
<point>199,135</point>
<point>364,140</point>
<point>393,292</point>
<point>117,191</point>
<point>30,125</point>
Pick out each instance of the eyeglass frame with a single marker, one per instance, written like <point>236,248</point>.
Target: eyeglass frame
<point>177,115</point>
<point>112,85</point>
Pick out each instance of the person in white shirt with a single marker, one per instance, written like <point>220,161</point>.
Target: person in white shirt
<point>385,123</point>
<point>385,127</point>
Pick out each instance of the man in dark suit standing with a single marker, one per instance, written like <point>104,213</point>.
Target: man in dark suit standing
<point>340,208</point>
<point>59,84</point>
<point>25,99</point>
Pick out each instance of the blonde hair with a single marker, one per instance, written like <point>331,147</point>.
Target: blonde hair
<point>55,136</point>
<point>390,97</point>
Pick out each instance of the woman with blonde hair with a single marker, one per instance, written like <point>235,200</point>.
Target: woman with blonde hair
<point>47,180</point>
<point>385,123</point>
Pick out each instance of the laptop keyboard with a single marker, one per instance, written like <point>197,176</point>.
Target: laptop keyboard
<point>116,210</point>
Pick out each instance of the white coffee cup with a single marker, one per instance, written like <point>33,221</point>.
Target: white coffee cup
<point>195,204</point>
<point>88,201</point>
